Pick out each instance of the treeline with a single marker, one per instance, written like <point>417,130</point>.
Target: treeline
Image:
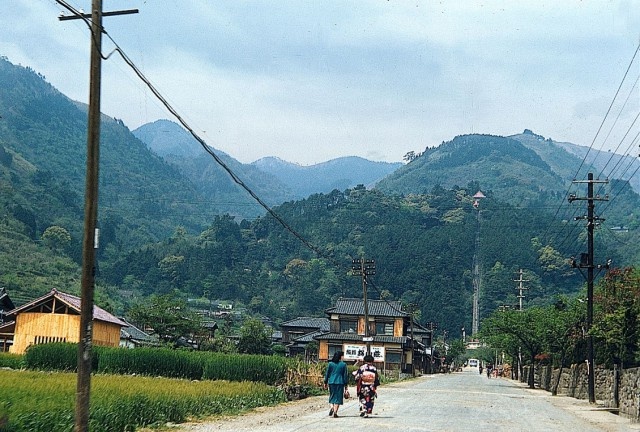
<point>423,246</point>
<point>557,334</point>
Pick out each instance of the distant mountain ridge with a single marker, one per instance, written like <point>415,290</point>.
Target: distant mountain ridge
<point>279,180</point>
<point>340,173</point>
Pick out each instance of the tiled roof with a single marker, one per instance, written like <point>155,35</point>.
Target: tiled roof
<point>74,302</point>
<point>5,302</point>
<point>308,337</point>
<point>354,306</point>
<point>133,332</point>
<point>354,337</point>
<point>308,322</point>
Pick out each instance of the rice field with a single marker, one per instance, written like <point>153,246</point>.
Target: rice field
<point>44,401</point>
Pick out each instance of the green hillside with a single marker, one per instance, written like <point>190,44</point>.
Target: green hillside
<point>161,233</point>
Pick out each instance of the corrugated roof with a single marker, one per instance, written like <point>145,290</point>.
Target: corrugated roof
<point>354,306</point>
<point>74,302</point>
<point>308,322</point>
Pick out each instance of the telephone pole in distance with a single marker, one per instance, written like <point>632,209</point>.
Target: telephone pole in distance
<point>365,267</point>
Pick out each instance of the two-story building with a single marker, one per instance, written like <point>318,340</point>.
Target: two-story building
<point>298,333</point>
<point>389,335</point>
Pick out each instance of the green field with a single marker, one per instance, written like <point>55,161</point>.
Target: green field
<point>44,401</point>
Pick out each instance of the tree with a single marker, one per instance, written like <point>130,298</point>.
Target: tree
<point>509,329</point>
<point>563,333</point>
<point>56,237</point>
<point>168,316</point>
<point>255,338</point>
<point>617,322</point>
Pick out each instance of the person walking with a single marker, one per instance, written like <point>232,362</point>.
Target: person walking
<point>368,382</point>
<point>336,378</point>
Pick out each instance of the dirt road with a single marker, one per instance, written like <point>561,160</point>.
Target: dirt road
<point>463,401</point>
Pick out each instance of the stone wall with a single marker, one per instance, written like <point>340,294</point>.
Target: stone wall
<point>574,383</point>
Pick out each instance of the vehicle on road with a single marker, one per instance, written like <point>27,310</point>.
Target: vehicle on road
<point>473,362</point>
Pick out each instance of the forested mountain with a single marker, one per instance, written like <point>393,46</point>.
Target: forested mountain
<point>524,170</point>
<point>163,231</point>
<point>423,246</point>
<point>273,179</point>
<point>43,148</point>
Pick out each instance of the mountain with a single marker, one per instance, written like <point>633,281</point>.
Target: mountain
<point>273,179</point>
<point>163,226</point>
<point>43,149</point>
<point>341,173</point>
<point>177,147</point>
<point>612,165</point>
<point>166,138</point>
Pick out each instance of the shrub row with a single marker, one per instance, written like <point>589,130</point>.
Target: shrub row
<point>38,401</point>
<point>194,365</point>
<point>13,361</point>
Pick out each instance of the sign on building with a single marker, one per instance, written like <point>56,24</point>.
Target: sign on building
<point>357,352</point>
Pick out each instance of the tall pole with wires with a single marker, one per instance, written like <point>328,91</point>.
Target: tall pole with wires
<point>586,261</point>
<point>90,233</point>
<point>90,221</point>
<point>365,267</point>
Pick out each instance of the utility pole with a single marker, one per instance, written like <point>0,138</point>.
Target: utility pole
<point>365,267</point>
<point>90,232</point>
<point>431,326</point>
<point>521,288</point>
<point>412,311</point>
<point>586,261</point>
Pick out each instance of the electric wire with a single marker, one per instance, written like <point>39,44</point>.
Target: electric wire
<point>202,143</point>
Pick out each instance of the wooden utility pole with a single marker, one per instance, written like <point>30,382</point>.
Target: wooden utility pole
<point>90,233</point>
<point>586,261</point>
<point>365,267</point>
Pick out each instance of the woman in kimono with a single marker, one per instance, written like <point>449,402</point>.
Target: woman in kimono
<point>368,381</point>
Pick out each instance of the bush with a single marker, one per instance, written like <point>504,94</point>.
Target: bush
<point>13,361</point>
<point>153,362</point>
<point>55,357</point>
<point>246,367</point>
<point>193,365</point>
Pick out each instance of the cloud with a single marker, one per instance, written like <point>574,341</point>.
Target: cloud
<point>308,81</point>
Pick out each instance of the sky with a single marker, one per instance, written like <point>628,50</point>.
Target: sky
<point>312,80</point>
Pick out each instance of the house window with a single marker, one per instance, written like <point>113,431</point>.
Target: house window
<point>393,357</point>
<point>383,328</point>
<point>348,326</point>
<point>334,349</point>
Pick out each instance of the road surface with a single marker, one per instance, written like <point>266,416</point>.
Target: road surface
<point>461,401</point>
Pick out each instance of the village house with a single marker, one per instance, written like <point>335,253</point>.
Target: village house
<point>389,334</point>
<point>55,317</point>
<point>298,333</point>
<point>132,337</point>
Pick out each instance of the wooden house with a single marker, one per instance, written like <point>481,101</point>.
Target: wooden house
<point>55,317</point>
<point>132,337</point>
<point>389,334</point>
<point>299,332</point>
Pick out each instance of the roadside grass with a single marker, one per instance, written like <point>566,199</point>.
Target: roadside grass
<point>31,400</point>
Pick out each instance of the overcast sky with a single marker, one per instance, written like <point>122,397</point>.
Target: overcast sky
<point>309,81</point>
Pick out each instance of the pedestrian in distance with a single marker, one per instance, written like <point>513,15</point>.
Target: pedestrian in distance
<point>367,385</point>
<point>336,378</point>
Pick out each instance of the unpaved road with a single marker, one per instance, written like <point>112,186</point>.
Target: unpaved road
<point>463,401</point>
